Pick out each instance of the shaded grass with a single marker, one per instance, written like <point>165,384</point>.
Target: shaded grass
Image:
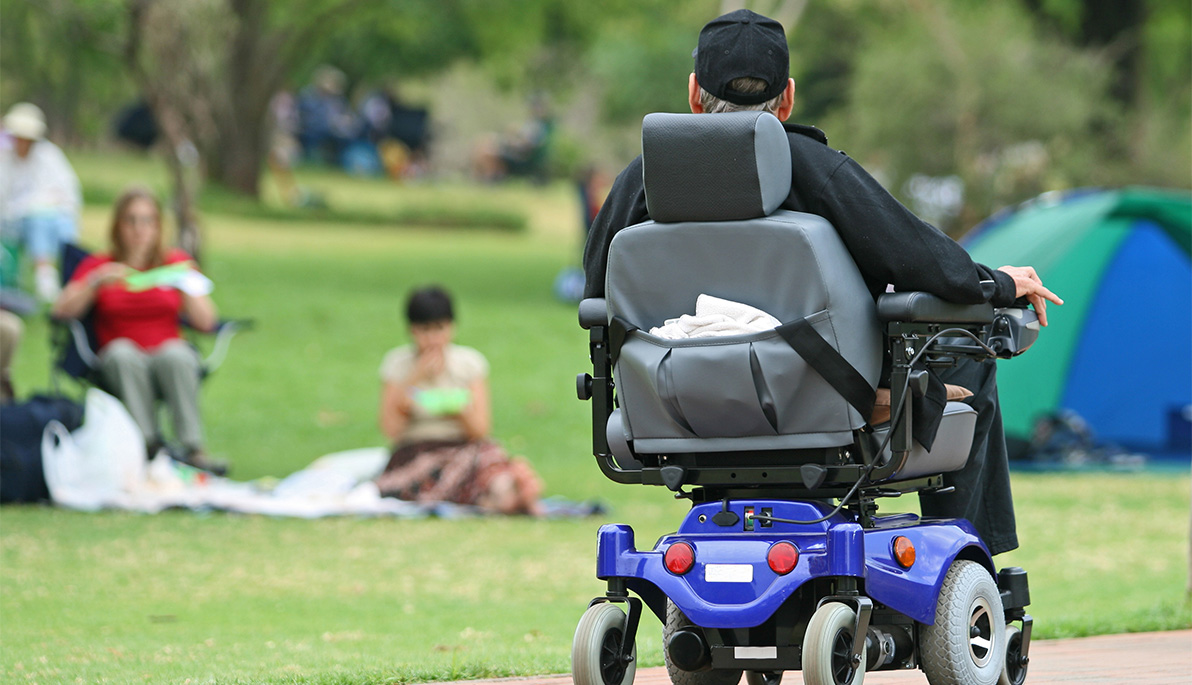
<point>180,597</point>
<point>441,213</point>
<point>336,198</point>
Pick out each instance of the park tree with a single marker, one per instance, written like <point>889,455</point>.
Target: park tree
<point>937,87</point>
<point>64,56</point>
<point>1116,26</point>
<point>984,92</point>
<point>210,67</point>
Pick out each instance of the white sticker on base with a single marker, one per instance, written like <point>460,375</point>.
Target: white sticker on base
<point>728,573</point>
<point>756,652</point>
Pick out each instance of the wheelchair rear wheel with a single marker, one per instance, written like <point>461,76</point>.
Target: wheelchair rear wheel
<point>828,647</point>
<point>967,643</point>
<point>596,649</point>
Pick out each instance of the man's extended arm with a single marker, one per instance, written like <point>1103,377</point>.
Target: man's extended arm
<point>893,246</point>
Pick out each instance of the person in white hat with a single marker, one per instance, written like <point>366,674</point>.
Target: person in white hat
<point>39,195</point>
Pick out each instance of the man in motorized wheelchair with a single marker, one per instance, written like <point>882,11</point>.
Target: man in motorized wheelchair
<point>768,429</point>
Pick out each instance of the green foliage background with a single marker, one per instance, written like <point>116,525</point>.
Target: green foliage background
<point>937,87</point>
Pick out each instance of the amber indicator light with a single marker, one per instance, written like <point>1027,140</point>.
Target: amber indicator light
<point>904,551</point>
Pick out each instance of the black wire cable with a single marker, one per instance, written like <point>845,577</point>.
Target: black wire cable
<point>895,418</point>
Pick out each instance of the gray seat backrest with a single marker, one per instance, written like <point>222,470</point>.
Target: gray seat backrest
<point>740,392</point>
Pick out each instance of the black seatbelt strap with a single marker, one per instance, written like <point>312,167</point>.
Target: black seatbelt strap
<point>829,364</point>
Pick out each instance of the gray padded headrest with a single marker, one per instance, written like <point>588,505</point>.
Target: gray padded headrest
<point>714,167</point>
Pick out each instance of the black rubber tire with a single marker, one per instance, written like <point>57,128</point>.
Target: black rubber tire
<point>674,621</point>
<point>948,651</point>
<point>827,645</point>
<point>1013,673</point>
<point>597,640</point>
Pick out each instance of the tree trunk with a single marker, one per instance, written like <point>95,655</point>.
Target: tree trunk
<point>1117,25</point>
<point>254,76</point>
<point>239,162</point>
<point>181,158</point>
<point>179,148</point>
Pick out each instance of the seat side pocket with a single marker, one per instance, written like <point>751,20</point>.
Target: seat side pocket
<point>714,388</point>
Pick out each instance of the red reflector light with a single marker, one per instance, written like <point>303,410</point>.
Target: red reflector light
<point>679,558</point>
<point>904,551</point>
<point>782,558</point>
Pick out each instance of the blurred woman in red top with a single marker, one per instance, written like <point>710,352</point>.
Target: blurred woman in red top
<point>142,356</point>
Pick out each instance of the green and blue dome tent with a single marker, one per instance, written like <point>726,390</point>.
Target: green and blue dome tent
<point>1119,352</point>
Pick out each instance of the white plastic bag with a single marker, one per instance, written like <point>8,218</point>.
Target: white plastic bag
<point>101,462</point>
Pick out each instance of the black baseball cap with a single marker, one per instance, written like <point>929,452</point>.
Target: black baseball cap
<point>742,43</point>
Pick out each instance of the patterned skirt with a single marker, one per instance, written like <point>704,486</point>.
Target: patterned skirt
<point>473,473</point>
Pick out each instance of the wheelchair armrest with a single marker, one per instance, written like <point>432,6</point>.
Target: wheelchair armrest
<point>593,311</point>
<point>927,308</point>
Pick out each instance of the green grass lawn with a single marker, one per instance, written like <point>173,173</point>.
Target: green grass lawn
<point>183,597</point>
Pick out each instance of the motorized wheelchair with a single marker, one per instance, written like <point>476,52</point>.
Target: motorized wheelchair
<point>782,562</point>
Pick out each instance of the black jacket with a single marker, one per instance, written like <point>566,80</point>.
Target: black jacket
<point>890,245</point>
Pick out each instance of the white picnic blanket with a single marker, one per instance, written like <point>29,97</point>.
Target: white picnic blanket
<point>715,317</point>
<point>338,484</point>
<point>102,465</point>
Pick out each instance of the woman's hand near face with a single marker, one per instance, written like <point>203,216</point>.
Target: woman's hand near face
<point>430,363</point>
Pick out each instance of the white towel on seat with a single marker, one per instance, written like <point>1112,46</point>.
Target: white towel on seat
<point>714,317</point>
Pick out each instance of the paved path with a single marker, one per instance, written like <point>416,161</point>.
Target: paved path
<point>1155,658</point>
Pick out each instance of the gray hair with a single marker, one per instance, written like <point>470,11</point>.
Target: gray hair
<point>744,84</point>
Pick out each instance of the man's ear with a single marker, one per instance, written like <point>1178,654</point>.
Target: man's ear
<point>693,95</point>
<point>787,105</point>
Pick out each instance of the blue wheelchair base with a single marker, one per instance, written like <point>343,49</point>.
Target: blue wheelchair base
<point>751,616</point>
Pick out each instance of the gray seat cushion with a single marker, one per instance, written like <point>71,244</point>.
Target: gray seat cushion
<point>948,453</point>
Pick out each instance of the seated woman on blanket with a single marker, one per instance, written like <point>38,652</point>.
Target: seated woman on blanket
<point>434,410</point>
<point>143,357</point>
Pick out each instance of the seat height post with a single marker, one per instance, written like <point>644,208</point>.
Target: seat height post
<point>602,389</point>
<point>902,350</point>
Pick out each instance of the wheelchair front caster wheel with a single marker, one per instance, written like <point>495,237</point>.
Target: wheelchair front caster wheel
<point>1014,672</point>
<point>828,647</point>
<point>596,650</point>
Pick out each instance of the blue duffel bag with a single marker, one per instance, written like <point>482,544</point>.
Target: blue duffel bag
<point>21,426</point>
